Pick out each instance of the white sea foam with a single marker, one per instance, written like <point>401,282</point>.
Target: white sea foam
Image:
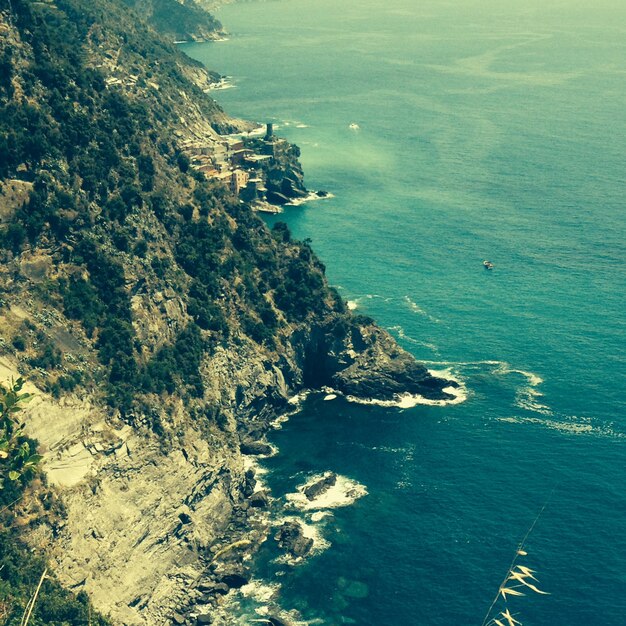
<point>302,126</point>
<point>408,401</point>
<point>399,330</point>
<point>252,463</point>
<point>416,308</point>
<point>310,197</point>
<point>224,83</point>
<point>260,591</point>
<point>318,516</point>
<point>299,398</point>
<point>572,425</point>
<point>344,492</point>
<point>353,304</point>
<point>527,396</point>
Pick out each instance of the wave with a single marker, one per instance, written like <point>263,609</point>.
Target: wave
<point>416,308</point>
<point>526,396</point>
<point>572,426</point>
<point>408,401</point>
<point>310,197</point>
<point>260,590</point>
<point>344,492</point>
<point>221,85</point>
<point>399,330</point>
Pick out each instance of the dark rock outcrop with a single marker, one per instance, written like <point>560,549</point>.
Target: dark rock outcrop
<point>352,355</point>
<point>259,499</point>
<point>255,448</point>
<point>213,588</point>
<point>236,577</point>
<point>249,484</point>
<point>290,537</point>
<point>321,486</point>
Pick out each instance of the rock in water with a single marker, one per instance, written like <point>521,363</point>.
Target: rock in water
<point>321,486</point>
<point>290,537</point>
<point>236,577</point>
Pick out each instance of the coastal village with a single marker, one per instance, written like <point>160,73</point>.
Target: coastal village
<point>245,163</point>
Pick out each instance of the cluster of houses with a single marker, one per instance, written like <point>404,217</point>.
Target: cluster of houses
<point>226,158</point>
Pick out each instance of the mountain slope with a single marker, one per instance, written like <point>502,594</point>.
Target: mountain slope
<point>163,324</point>
<point>178,20</point>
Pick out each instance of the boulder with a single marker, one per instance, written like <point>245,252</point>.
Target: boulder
<point>276,198</point>
<point>212,588</point>
<point>201,620</point>
<point>236,578</point>
<point>249,484</point>
<point>255,447</point>
<point>259,499</point>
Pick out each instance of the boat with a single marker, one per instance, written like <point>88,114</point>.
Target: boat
<point>488,265</point>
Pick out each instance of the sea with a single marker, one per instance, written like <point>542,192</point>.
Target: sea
<point>450,133</point>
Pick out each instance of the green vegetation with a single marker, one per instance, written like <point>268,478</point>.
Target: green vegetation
<point>20,571</point>
<point>154,268</point>
<point>20,568</point>
<point>178,366</point>
<point>126,214</point>
<point>18,460</point>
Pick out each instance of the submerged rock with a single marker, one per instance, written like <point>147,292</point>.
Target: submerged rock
<point>277,621</point>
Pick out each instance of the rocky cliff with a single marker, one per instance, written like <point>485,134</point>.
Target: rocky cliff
<point>162,325</point>
<point>178,20</point>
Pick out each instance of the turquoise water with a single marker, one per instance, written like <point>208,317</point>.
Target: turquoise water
<point>484,132</point>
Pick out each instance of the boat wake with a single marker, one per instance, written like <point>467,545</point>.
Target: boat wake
<point>416,308</point>
<point>401,333</point>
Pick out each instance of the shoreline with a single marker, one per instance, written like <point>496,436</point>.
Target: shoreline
<point>260,523</point>
<point>258,512</point>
